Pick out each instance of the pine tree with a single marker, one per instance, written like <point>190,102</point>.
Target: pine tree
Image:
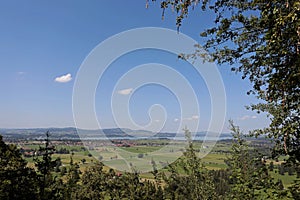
<point>249,175</point>
<point>49,187</point>
<point>194,183</point>
<point>17,181</point>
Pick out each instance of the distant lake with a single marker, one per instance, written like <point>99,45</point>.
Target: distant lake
<point>107,134</point>
<point>180,138</point>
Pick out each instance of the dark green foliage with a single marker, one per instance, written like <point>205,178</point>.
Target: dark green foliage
<point>57,164</point>
<point>62,151</point>
<point>281,169</point>
<point>98,184</point>
<point>45,166</point>
<point>73,173</point>
<point>261,40</point>
<point>249,178</point>
<point>63,171</point>
<point>287,167</point>
<point>221,180</point>
<point>295,190</point>
<point>194,183</point>
<point>73,177</point>
<point>187,178</point>
<point>271,166</point>
<point>16,180</point>
<point>140,155</point>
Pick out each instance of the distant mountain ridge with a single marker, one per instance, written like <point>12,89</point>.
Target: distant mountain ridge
<point>73,133</point>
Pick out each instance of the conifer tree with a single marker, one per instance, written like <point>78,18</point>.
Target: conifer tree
<point>249,177</point>
<point>17,181</point>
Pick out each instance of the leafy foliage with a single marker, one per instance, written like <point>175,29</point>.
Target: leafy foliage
<point>260,39</point>
<point>98,184</point>
<point>187,178</point>
<point>17,181</point>
<point>195,183</point>
<point>249,176</point>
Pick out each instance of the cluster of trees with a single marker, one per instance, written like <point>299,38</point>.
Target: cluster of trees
<point>258,38</point>
<point>246,177</point>
<point>286,168</point>
<point>261,40</point>
<point>63,150</point>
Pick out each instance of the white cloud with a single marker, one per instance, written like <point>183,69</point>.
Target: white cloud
<point>64,78</point>
<point>194,117</point>
<point>246,117</point>
<point>21,73</point>
<point>176,120</point>
<point>125,91</point>
<point>157,120</point>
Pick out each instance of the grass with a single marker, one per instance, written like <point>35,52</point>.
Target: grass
<point>286,179</point>
<point>112,156</point>
<point>141,149</point>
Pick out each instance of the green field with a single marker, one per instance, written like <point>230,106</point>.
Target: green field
<point>127,158</point>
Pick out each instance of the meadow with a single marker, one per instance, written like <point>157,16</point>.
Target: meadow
<point>147,150</point>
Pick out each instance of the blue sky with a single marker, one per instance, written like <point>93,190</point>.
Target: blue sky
<point>44,40</point>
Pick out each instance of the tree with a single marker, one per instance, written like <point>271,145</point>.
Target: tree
<point>63,171</point>
<point>58,163</point>
<point>100,184</point>
<point>295,190</point>
<point>249,177</point>
<point>17,181</point>
<point>140,155</point>
<point>193,182</point>
<point>73,173</point>
<point>221,182</point>
<point>281,169</point>
<point>271,166</point>
<point>93,181</point>
<point>260,39</point>
<point>49,187</point>
<point>73,178</point>
<point>45,166</point>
